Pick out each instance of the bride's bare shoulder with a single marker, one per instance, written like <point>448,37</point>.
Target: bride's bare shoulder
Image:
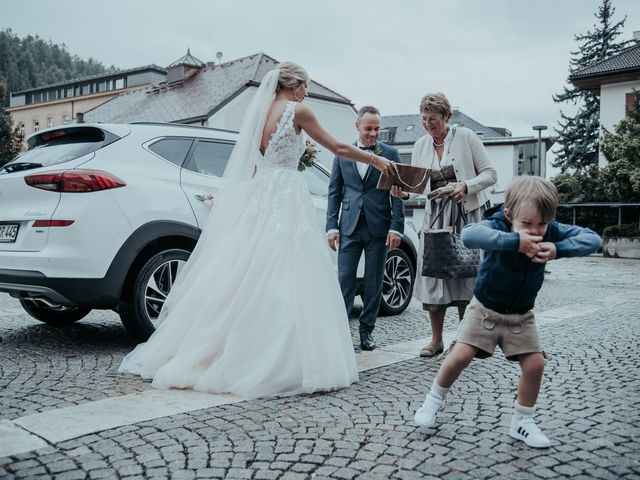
<point>303,112</point>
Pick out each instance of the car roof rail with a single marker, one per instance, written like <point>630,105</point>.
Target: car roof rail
<point>183,125</point>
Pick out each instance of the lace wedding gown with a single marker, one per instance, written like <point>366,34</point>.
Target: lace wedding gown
<point>257,310</point>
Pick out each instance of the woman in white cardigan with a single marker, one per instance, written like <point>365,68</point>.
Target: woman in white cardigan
<point>460,160</point>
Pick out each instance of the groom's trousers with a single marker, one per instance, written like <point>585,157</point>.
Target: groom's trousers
<point>375,256</point>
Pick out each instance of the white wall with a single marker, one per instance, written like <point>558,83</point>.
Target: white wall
<point>503,158</point>
<point>612,106</point>
<point>338,119</point>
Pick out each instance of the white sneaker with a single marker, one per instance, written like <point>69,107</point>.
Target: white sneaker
<point>426,415</point>
<point>525,429</point>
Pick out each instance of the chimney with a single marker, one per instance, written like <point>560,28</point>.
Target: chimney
<point>79,117</point>
<point>636,35</point>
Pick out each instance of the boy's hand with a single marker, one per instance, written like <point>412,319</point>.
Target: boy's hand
<point>529,244</point>
<point>548,252</point>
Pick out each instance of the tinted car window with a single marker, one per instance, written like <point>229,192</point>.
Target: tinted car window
<point>173,149</point>
<point>59,146</point>
<point>210,158</point>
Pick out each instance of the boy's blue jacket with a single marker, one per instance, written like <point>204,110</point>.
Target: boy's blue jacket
<point>508,281</point>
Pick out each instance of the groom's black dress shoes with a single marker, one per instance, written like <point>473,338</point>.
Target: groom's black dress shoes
<point>366,342</point>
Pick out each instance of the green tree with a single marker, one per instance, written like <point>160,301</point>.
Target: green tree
<point>620,179</point>
<point>578,134</point>
<point>579,187</point>
<point>10,138</point>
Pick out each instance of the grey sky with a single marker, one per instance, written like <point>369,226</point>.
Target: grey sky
<point>499,61</point>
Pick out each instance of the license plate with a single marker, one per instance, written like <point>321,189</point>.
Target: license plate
<point>8,232</point>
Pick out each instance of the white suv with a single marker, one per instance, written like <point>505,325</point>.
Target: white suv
<point>98,216</point>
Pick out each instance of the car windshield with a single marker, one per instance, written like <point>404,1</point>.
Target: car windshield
<point>317,181</point>
<point>59,146</point>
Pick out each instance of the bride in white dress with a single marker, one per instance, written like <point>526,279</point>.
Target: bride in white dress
<point>257,309</point>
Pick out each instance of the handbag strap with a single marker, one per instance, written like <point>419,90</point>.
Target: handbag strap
<point>444,205</point>
<point>413,186</point>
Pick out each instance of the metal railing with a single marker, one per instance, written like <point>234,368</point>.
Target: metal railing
<point>619,206</point>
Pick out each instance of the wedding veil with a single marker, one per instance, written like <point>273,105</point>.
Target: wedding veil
<point>246,153</point>
<point>229,203</point>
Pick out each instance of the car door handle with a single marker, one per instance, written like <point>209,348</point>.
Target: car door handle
<point>204,197</point>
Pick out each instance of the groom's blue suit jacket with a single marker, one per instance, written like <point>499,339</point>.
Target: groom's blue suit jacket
<point>349,195</point>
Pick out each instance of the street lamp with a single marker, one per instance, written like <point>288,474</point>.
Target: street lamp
<point>539,128</point>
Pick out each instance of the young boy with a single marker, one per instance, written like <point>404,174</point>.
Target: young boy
<point>518,239</point>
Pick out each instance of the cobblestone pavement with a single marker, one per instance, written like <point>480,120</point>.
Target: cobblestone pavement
<point>589,403</point>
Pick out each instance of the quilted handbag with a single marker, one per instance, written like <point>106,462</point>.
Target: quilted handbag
<point>445,256</point>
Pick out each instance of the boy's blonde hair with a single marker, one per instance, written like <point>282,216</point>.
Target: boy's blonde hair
<point>535,191</point>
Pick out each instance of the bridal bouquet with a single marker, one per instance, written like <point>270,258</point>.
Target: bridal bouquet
<point>308,158</point>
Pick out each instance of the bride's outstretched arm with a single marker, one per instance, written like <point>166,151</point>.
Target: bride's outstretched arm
<point>307,121</point>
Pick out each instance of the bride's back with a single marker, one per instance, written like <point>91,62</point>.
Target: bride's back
<point>273,118</point>
<point>281,145</point>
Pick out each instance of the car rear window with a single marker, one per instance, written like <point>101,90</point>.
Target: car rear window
<point>173,149</point>
<point>59,146</point>
<point>210,158</point>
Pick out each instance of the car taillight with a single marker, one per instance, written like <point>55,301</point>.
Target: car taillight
<point>74,181</point>
<point>52,223</point>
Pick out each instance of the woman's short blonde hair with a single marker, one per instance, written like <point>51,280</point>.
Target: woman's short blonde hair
<point>537,192</point>
<point>291,75</point>
<point>436,102</point>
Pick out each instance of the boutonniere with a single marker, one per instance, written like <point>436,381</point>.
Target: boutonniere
<point>308,158</point>
<point>377,150</point>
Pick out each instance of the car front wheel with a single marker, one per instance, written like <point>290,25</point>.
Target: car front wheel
<point>397,285</point>
<point>58,317</point>
<point>141,304</point>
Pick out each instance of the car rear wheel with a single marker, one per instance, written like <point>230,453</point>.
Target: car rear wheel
<point>141,304</point>
<point>397,285</point>
<point>58,317</point>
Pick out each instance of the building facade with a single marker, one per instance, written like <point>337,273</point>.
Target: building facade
<point>614,80</point>
<point>59,104</point>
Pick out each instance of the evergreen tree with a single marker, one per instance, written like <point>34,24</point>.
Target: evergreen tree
<point>578,134</point>
<point>10,138</point>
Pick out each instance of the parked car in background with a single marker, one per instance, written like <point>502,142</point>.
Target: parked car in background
<point>101,216</point>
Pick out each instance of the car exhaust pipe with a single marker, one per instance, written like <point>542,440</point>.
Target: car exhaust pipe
<point>46,302</point>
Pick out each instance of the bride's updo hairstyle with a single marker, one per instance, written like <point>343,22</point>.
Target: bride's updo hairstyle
<point>291,75</point>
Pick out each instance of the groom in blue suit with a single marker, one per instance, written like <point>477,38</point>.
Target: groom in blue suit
<point>361,217</point>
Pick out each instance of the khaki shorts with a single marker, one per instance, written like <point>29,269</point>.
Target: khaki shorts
<point>483,328</point>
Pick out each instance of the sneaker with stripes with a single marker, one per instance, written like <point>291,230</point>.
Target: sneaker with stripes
<point>524,428</point>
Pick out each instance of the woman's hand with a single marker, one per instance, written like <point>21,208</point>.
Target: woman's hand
<point>386,167</point>
<point>459,191</point>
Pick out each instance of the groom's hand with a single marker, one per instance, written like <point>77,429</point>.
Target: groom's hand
<point>393,241</point>
<point>334,241</point>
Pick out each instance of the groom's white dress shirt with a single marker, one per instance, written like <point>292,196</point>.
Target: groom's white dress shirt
<point>362,167</point>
